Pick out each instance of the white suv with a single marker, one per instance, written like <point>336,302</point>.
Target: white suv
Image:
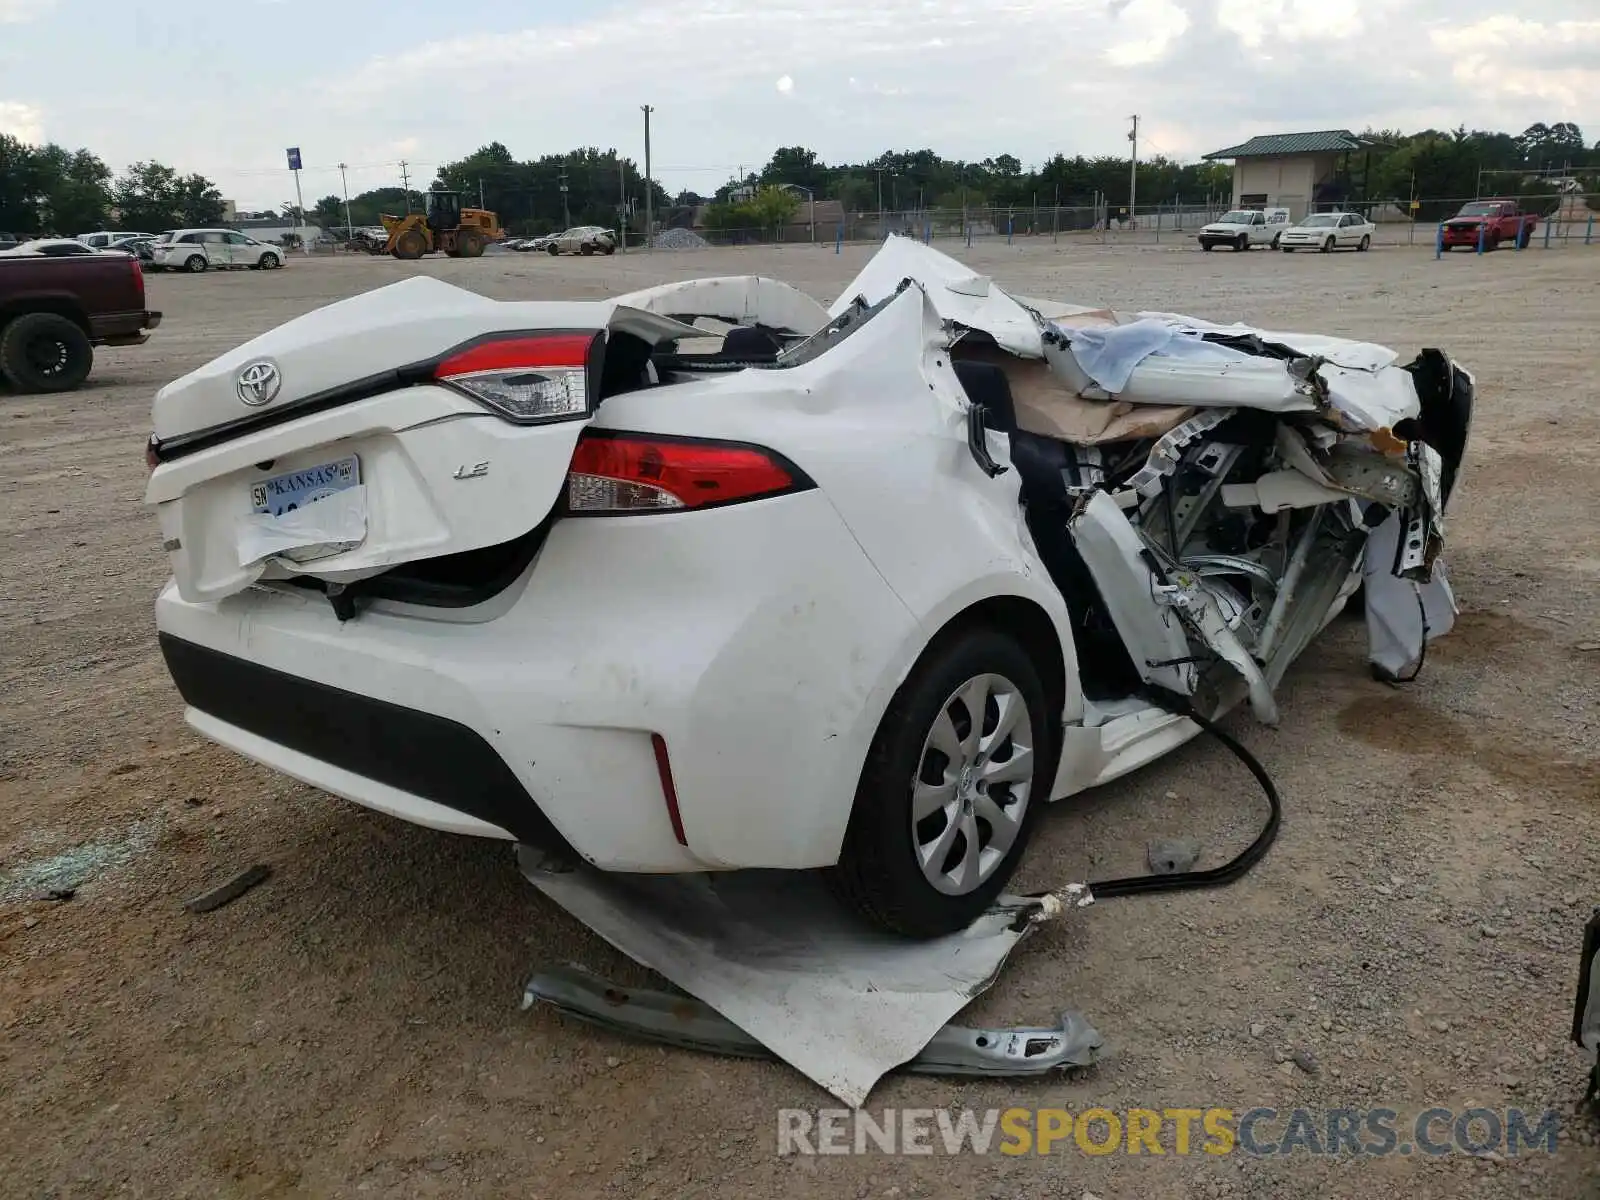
<point>1245,227</point>
<point>197,249</point>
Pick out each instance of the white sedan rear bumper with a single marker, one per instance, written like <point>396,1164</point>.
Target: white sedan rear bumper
<point>537,709</point>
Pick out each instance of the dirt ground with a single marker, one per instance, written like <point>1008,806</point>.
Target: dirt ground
<point>352,1025</point>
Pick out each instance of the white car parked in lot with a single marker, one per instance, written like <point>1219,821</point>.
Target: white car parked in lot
<point>580,239</point>
<point>856,588</point>
<point>1245,227</point>
<point>106,239</point>
<point>199,249</point>
<point>1327,232</point>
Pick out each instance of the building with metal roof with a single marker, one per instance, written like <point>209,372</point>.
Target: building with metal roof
<point>1298,171</point>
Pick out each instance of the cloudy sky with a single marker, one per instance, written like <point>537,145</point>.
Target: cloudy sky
<point>224,88</point>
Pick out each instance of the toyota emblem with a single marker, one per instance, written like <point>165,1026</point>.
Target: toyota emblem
<point>258,383</point>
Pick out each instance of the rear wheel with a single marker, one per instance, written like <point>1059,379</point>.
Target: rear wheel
<point>470,245</point>
<point>608,249</point>
<point>586,249</point>
<point>553,249</point>
<point>960,763</point>
<point>195,263</point>
<point>45,352</point>
<point>1366,242</point>
<point>1493,243</point>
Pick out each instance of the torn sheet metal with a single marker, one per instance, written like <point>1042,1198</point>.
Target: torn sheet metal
<point>956,293</point>
<point>1403,615</point>
<point>736,299</point>
<point>674,1019</point>
<point>328,525</point>
<point>776,955</point>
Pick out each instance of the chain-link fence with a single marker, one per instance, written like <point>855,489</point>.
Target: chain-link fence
<point>1566,220</point>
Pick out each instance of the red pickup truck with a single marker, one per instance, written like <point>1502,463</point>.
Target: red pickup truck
<point>1497,222</point>
<point>54,311</point>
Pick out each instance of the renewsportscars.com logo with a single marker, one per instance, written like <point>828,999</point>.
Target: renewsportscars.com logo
<point>1356,1132</point>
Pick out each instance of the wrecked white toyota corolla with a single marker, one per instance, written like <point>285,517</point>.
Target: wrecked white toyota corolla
<point>709,577</point>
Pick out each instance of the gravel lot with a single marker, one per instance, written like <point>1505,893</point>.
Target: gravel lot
<point>352,1026</point>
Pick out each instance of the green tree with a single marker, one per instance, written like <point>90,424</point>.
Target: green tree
<point>153,196</point>
<point>328,213</point>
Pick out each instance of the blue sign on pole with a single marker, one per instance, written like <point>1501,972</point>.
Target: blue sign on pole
<point>294,158</point>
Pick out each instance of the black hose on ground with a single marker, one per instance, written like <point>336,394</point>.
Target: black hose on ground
<point>1229,872</point>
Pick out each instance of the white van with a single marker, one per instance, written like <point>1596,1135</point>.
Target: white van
<point>1246,227</point>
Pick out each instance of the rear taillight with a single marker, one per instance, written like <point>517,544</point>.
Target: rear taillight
<point>526,377</point>
<point>138,278</point>
<point>618,473</point>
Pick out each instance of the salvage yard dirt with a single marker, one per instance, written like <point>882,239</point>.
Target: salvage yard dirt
<point>351,1025</point>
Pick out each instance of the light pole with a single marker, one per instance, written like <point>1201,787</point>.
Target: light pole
<point>649,221</point>
<point>1133,171</point>
<point>344,186</point>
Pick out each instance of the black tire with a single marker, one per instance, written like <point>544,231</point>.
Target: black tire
<point>608,249</point>
<point>878,873</point>
<point>269,261</point>
<point>1366,243</point>
<point>1493,243</point>
<point>552,249</point>
<point>586,249</point>
<point>1207,247</point>
<point>45,352</point>
<point>469,245</point>
<point>195,263</point>
<point>1327,246</point>
<point>1243,243</point>
<point>1287,249</point>
<point>410,246</point>
<point>1276,238</point>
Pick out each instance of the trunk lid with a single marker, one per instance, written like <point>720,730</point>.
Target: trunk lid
<point>327,447</point>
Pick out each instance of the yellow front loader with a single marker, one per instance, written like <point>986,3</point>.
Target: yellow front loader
<point>443,225</point>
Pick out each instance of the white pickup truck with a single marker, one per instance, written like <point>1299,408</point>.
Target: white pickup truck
<point>1245,227</point>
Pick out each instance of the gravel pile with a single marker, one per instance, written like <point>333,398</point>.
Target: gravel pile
<point>680,239</point>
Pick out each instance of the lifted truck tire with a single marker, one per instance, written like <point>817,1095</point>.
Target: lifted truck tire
<point>879,873</point>
<point>45,352</point>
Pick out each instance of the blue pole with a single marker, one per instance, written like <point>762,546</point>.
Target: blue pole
<point>838,241</point>
<point>1547,225</point>
<point>1438,240</point>
<point>969,235</point>
<point>1481,226</point>
<point>927,233</point>
<point>1589,232</point>
<point>1010,224</point>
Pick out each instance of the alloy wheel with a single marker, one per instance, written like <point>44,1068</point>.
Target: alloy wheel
<point>971,789</point>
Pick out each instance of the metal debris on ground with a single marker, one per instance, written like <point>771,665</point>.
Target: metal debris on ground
<point>1173,856</point>
<point>229,892</point>
<point>778,958</point>
<point>679,1020</point>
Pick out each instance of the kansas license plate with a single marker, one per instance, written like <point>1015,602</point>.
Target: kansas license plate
<point>295,489</point>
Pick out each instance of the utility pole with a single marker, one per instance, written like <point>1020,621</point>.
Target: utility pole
<point>622,203</point>
<point>566,216</point>
<point>344,186</point>
<point>405,184</point>
<point>1133,170</point>
<point>480,192</point>
<point>649,214</point>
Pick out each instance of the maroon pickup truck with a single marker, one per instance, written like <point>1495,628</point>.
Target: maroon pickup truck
<point>1497,222</point>
<point>54,311</point>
